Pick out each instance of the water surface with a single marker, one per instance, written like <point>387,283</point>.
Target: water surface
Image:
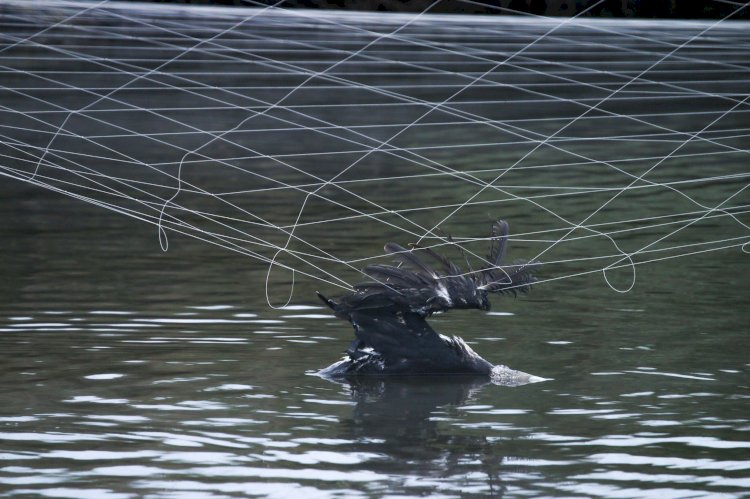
<point>127,371</point>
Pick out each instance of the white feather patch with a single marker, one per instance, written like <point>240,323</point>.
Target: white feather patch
<point>442,291</point>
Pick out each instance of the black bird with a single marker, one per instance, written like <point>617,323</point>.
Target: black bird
<point>389,313</point>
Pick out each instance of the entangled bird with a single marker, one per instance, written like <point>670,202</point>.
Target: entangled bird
<point>389,312</point>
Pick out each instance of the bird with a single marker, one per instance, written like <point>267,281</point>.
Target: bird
<point>389,312</point>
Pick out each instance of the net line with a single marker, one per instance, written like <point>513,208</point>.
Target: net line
<point>289,229</point>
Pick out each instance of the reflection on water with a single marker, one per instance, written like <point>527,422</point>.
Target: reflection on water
<point>402,419</point>
<point>129,372</point>
<point>214,399</point>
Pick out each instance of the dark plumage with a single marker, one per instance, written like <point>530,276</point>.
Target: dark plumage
<point>389,313</point>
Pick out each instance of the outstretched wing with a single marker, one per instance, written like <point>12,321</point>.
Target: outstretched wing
<point>417,286</point>
<point>405,342</point>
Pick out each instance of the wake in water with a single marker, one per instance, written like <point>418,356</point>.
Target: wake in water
<point>273,132</point>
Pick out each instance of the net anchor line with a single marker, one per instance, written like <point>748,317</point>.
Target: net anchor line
<point>248,213</point>
<point>443,49</point>
<point>31,180</point>
<point>433,107</point>
<point>161,233</point>
<point>462,240</point>
<point>638,77</point>
<point>195,187</point>
<point>599,103</point>
<point>572,224</point>
<point>232,143</point>
<point>325,183</point>
<point>698,137</point>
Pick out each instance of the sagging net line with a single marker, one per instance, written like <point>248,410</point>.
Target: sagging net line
<point>68,170</point>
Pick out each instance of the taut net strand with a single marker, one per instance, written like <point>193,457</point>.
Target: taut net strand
<point>277,133</point>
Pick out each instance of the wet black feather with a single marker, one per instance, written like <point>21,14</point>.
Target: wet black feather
<point>389,312</point>
<point>408,257</point>
<point>448,266</point>
<point>499,238</point>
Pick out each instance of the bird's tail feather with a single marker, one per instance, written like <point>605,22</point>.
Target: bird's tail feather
<point>498,241</point>
<point>510,279</point>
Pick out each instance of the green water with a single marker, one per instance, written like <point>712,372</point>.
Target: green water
<point>126,371</point>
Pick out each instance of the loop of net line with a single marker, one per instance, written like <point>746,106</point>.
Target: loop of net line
<point>213,195</point>
<point>159,219</point>
<point>295,225</point>
<point>224,239</point>
<point>686,225</point>
<point>517,236</point>
<point>642,262</point>
<point>685,43</point>
<point>131,213</point>
<point>183,228</point>
<point>596,106</point>
<point>654,166</point>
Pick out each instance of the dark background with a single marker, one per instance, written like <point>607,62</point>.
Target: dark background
<point>685,9</point>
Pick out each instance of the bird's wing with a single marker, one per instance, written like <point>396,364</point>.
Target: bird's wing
<point>416,285</point>
<point>498,242</point>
